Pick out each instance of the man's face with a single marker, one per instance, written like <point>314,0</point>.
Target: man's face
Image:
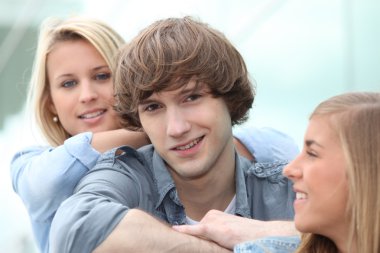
<point>190,129</point>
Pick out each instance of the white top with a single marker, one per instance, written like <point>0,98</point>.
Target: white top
<point>230,209</point>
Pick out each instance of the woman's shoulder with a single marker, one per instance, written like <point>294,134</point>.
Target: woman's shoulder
<point>266,144</point>
<point>29,152</point>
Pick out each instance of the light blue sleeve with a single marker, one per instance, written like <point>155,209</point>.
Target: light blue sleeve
<point>267,144</point>
<point>273,244</point>
<point>44,177</point>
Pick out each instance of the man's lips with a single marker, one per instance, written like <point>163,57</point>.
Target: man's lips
<point>188,145</point>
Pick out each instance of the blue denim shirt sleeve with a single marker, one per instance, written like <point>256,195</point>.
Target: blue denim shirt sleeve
<point>267,144</point>
<point>275,244</point>
<point>101,199</point>
<point>43,177</point>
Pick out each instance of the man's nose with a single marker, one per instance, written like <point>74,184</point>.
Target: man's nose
<point>177,123</point>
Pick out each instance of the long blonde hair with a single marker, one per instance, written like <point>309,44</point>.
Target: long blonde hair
<point>355,117</point>
<point>54,30</point>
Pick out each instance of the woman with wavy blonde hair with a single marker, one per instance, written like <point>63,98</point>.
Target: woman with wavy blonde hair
<point>53,31</point>
<point>71,98</point>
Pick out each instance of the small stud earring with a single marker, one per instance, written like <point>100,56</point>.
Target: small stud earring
<point>55,119</point>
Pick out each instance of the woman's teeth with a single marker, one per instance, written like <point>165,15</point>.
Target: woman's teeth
<point>300,195</point>
<point>91,115</point>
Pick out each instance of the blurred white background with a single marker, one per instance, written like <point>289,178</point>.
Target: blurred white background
<point>299,53</point>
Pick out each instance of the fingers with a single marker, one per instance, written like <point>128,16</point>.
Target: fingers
<point>195,230</point>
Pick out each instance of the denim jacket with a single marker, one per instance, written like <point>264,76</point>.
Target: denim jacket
<point>275,244</point>
<point>125,178</point>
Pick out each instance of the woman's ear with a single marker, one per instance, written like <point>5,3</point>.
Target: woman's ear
<point>51,106</point>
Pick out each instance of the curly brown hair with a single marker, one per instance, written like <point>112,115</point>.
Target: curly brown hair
<point>167,55</point>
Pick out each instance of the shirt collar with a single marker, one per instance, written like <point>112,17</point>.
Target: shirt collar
<point>241,166</point>
<point>165,182</point>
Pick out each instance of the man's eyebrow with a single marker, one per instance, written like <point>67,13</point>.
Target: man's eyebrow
<point>146,101</point>
<point>188,90</point>
<point>183,91</point>
<point>312,142</point>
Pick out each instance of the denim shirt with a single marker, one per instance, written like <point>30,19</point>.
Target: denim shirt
<point>125,178</point>
<point>275,244</point>
<point>261,191</point>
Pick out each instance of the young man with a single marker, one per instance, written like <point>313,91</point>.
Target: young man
<point>185,85</point>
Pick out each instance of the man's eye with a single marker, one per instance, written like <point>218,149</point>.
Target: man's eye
<point>103,76</point>
<point>152,107</point>
<point>193,97</point>
<point>68,84</point>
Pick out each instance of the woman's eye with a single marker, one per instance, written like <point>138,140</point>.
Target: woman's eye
<point>68,84</point>
<point>103,76</point>
<point>311,154</point>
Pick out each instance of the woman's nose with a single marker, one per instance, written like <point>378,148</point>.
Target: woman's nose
<point>88,92</point>
<point>293,170</point>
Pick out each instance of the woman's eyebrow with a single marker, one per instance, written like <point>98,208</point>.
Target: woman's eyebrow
<point>312,142</point>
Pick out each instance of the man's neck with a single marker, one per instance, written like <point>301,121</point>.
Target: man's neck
<point>198,204</point>
<point>215,190</point>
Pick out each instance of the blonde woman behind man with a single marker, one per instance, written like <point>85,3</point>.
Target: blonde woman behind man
<point>71,97</point>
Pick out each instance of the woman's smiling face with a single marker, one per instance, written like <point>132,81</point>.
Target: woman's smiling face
<point>320,181</point>
<point>81,88</point>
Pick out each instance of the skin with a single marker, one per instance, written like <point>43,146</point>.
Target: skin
<point>184,130</point>
<point>228,230</point>
<point>141,232</point>
<point>75,86</point>
<point>320,182</point>
<point>199,150</point>
<point>196,144</point>
<point>80,87</point>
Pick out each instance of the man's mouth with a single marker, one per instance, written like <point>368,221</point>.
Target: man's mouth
<point>189,145</point>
